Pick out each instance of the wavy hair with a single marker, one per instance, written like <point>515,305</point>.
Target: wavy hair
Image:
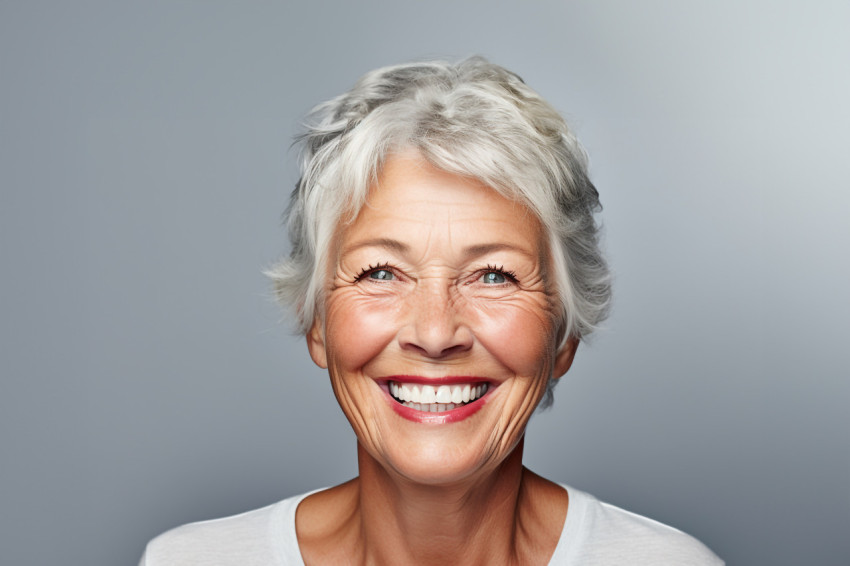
<point>471,118</point>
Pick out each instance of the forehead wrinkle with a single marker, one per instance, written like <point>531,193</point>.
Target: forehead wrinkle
<point>449,225</point>
<point>386,243</point>
<point>426,247</point>
<point>476,251</point>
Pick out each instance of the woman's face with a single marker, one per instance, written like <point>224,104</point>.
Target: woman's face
<point>438,294</point>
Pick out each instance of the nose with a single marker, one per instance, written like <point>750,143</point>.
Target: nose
<point>434,324</point>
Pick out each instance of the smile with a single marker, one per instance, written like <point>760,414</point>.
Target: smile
<point>436,399</point>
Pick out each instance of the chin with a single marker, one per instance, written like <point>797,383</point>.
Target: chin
<point>432,463</point>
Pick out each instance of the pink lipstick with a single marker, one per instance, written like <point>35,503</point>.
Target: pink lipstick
<point>436,400</point>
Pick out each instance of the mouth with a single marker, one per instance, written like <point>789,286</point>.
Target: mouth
<point>436,398</point>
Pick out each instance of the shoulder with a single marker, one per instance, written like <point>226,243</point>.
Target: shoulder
<point>244,539</point>
<point>602,533</point>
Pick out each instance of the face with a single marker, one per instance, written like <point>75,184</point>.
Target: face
<point>438,329</point>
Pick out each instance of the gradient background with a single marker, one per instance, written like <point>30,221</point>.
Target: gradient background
<point>147,380</point>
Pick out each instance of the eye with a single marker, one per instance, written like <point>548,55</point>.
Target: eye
<point>497,276</point>
<point>493,278</point>
<point>381,274</point>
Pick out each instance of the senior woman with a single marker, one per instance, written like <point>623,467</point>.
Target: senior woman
<point>445,266</point>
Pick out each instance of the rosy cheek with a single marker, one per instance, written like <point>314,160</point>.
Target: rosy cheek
<point>358,331</point>
<point>517,335</point>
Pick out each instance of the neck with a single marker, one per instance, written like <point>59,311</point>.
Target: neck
<point>505,516</point>
<point>471,522</point>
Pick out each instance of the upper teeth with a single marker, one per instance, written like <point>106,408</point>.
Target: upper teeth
<point>442,394</point>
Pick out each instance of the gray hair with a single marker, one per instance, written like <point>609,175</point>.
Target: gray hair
<point>470,118</point>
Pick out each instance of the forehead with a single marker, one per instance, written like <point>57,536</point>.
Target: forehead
<point>413,200</point>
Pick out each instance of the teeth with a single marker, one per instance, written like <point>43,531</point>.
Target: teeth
<point>428,395</point>
<point>432,399</point>
<point>457,395</point>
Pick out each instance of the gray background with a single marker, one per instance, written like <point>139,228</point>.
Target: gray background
<point>147,380</point>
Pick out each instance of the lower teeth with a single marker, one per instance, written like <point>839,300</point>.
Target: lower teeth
<point>432,407</point>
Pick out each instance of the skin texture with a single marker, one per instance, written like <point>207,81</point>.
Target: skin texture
<point>438,276</point>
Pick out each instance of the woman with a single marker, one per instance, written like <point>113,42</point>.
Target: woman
<point>445,266</point>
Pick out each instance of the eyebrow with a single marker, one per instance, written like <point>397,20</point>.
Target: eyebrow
<point>472,252</point>
<point>387,243</point>
<point>469,252</point>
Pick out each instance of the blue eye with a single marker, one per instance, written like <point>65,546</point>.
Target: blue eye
<point>494,278</point>
<point>382,275</point>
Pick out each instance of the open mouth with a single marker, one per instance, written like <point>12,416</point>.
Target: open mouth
<point>431,399</point>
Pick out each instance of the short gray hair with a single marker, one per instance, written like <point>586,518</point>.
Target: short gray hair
<point>470,118</point>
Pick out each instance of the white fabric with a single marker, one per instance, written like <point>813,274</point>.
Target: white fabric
<point>594,534</point>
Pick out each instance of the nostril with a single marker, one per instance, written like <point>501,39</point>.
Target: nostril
<point>456,349</point>
<point>434,342</point>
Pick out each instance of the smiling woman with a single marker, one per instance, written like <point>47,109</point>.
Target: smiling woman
<point>445,267</point>
<point>436,318</point>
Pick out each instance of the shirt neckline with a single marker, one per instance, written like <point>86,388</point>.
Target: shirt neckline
<point>287,550</point>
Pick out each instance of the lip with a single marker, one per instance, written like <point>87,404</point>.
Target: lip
<point>452,416</point>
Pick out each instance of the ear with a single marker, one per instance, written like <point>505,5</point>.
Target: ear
<point>316,344</point>
<point>564,357</point>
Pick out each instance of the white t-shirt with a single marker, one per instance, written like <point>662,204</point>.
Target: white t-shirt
<point>594,534</point>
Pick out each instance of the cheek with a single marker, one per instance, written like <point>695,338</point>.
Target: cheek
<point>358,330</point>
<point>519,336</point>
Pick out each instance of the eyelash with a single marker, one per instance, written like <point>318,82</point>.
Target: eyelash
<point>367,270</point>
<point>501,270</point>
<point>489,269</point>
